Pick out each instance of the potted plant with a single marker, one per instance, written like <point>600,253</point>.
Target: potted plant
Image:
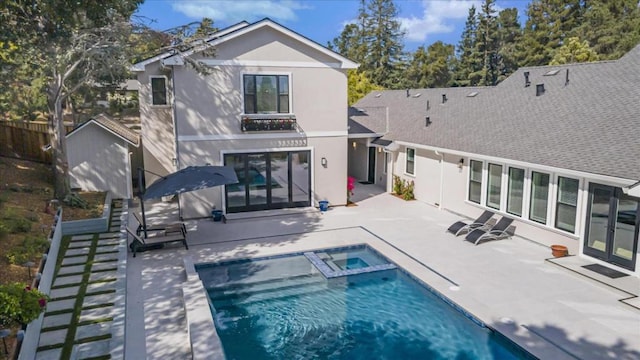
<point>559,250</point>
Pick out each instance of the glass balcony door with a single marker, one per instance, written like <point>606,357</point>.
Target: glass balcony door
<point>273,180</point>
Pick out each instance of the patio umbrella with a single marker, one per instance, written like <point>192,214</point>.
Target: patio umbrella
<point>188,179</point>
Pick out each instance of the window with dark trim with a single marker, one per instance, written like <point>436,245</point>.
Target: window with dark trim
<point>411,161</point>
<point>567,204</point>
<point>494,186</point>
<point>515,191</point>
<point>266,94</point>
<point>539,197</point>
<point>158,91</point>
<point>475,181</point>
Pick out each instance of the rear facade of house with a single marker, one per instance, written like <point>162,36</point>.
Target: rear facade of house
<point>273,107</point>
<point>555,147</point>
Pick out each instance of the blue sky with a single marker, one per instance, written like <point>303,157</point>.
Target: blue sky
<point>424,21</point>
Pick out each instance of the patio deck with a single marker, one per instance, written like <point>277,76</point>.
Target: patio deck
<point>549,310</point>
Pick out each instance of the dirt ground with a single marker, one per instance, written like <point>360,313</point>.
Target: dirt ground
<point>26,188</point>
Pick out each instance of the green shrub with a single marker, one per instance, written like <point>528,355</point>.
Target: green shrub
<point>74,200</point>
<point>3,230</point>
<point>18,225</point>
<point>20,304</point>
<point>31,247</point>
<point>398,185</point>
<point>33,217</point>
<point>408,191</point>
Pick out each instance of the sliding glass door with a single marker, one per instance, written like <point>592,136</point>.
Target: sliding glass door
<point>273,180</point>
<point>612,226</point>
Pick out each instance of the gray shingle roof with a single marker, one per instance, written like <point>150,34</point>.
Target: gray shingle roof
<point>590,124</point>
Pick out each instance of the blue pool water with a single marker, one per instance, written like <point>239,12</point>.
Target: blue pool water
<point>283,308</point>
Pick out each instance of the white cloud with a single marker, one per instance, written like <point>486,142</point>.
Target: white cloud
<point>438,17</point>
<point>225,11</point>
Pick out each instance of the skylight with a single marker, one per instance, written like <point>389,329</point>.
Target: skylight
<point>472,94</point>
<point>378,95</point>
<point>416,95</point>
<point>552,72</point>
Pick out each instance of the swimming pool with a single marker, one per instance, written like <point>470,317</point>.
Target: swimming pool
<point>339,304</point>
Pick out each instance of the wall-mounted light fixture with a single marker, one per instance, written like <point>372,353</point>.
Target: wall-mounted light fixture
<point>323,162</point>
<point>353,144</point>
<point>460,163</point>
<point>379,149</point>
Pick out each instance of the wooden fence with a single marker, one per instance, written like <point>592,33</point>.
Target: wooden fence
<point>25,140</point>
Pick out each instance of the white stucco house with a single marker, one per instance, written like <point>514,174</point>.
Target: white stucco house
<point>274,108</point>
<point>556,148</point>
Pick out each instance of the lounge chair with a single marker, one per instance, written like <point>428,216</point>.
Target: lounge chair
<point>155,242</point>
<point>167,229</point>
<point>502,229</point>
<point>461,227</point>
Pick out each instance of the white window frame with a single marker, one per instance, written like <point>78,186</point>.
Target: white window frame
<point>524,190</point>
<point>406,161</point>
<point>166,90</point>
<point>385,168</point>
<point>550,192</point>
<point>555,203</point>
<point>500,204</point>
<point>482,182</point>
<point>267,73</point>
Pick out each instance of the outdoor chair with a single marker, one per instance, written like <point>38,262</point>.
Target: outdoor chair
<point>175,227</point>
<point>155,242</point>
<point>461,227</point>
<point>502,229</point>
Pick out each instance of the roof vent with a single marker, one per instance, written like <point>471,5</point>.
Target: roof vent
<point>472,94</point>
<point>539,89</point>
<point>417,95</point>
<point>428,107</point>
<point>408,93</point>
<point>526,79</point>
<point>566,78</point>
<point>444,98</point>
<point>427,121</point>
<point>552,72</point>
<point>378,95</point>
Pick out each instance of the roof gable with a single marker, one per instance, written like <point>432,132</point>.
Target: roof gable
<point>112,126</point>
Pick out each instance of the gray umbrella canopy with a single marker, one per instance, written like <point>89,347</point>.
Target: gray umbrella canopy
<point>190,179</point>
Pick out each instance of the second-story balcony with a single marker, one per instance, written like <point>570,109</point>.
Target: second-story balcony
<point>268,122</point>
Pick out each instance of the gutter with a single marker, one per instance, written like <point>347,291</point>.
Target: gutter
<point>632,190</point>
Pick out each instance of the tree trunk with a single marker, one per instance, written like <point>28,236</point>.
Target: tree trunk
<point>58,144</point>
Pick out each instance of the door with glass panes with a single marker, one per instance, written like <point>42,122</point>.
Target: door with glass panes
<point>612,226</point>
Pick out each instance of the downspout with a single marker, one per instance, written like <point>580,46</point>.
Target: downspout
<point>174,112</point>
<point>440,197</point>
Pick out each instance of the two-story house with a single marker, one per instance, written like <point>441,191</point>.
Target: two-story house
<point>274,107</point>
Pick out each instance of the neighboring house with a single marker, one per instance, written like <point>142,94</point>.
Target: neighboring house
<point>274,108</point>
<point>101,155</point>
<point>555,147</point>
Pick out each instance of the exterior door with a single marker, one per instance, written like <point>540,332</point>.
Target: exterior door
<point>266,181</point>
<point>612,226</point>
<point>371,175</point>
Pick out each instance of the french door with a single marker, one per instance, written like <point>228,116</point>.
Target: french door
<point>612,226</point>
<point>269,180</point>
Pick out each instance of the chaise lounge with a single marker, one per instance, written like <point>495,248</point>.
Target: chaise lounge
<point>461,227</point>
<point>167,229</point>
<point>502,229</point>
<point>156,242</point>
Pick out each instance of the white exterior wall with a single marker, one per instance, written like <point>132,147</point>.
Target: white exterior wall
<point>99,161</point>
<point>381,175</point>
<point>358,156</point>
<point>208,109</point>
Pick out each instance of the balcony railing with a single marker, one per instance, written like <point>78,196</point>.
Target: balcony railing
<point>268,122</point>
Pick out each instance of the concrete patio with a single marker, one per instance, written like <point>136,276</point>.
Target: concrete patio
<point>545,307</point>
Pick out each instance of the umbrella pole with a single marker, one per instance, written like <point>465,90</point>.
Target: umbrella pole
<point>141,185</point>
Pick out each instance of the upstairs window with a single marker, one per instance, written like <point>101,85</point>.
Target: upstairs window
<point>159,90</point>
<point>266,94</point>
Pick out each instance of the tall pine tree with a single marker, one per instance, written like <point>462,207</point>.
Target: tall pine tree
<point>487,45</point>
<point>431,67</point>
<point>383,36</point>
<point>466,51</point>
<point>509,35</point>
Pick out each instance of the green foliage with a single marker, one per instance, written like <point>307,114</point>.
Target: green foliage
<point>74,200</point>
<point>574,51</point>
<point>398,185</point>
<point>4,230</point>
<point>13,222</point>
<point>19,304</point>
<point>431,67</point>
<point>408,191</point>
<point>359,85</point>
<point>30,248</point>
